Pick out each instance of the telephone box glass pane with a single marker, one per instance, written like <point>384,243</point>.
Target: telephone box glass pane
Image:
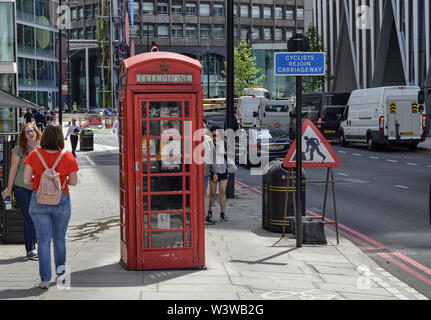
<point>188,239</point>
<point>146,240</point>
<point>144,185</point>
<point>145,203</point>
<point>144,166</point>
<point>186,109</point>
<point>188,217</point>
<point>166,221</point>
<point>144,147</point>
<point>167,202</point>
<point>165,128</point>
<point>159,184</point>
<point>165,109</point>
<point>144,109</point>
<point>172,239</point>
<point>144,128</point>
<point>146,222</point>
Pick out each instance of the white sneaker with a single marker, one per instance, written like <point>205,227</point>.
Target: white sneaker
<point>44,285</point>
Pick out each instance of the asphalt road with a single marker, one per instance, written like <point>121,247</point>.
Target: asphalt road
<point>382,203</point>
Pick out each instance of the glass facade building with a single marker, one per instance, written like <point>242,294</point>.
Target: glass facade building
<point>37,40</point>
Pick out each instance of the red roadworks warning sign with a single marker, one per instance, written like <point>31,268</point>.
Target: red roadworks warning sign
<point>316,151</point>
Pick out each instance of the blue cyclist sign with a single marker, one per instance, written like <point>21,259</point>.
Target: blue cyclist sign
<point>299,64</point>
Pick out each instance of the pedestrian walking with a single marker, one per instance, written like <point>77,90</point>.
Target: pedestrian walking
<point>40,120</point>
<point>51,221</point>
<point>73,131</point>
<point>209,166</point>
<point>28,116</point>
<point>220,176</point>
<point>28,140</point>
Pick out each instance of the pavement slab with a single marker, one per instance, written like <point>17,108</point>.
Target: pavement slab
<point>243,261</point>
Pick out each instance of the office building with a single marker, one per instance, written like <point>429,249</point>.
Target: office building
<point>373,43</point>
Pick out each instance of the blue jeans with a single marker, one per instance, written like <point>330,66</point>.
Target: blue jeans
<point>23,197</point>
<point>51,222</point>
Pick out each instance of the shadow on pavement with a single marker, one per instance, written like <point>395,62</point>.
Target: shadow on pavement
<point>20,293</point>
<point>12,261</point>
<point>114,275</point>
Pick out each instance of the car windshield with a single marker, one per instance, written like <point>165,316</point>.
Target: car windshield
<point>275,108</point>
<point>336,99</point>
<point>273,133</point>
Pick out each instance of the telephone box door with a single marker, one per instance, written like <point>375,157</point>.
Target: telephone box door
<point>166,186</point>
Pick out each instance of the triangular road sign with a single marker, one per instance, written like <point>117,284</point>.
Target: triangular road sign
<point>316,151</point>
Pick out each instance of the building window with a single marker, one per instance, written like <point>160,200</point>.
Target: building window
<point>44,42</point>
<point>81,13</point>
<point>255,12</point>
<point>218,10</point>
<point>289,34</point>
<point>94,32</point>
<point>300,14</point>
<point>43,12</point>
<point>81,33</point>
<point>205,32</point>
<point>73,13</point>
<point>177,31</point>
<point>219,32</point>
<point>26,72</point>
<point>191,32</point>
<point>148,8</point>
<point>96,10</point>
<point>204,9</point>
<point>278,34</point>
<point>177,10</point>
<point>235,32</point>
<point>45,73</point>
<point>267,34</point>
<point>163,31</point>
<point>136,6</point>
<point>278,13</point>
<point>148,30</point>
<point>88,12</point>
<point>89,33</point>
<point>244,11</point>
<point>190,9</point>
<point>267,13</point>
<point>235,10</point>
<point>290,14</point>
<point>255,34</point>
<point>244,33</point>
<point>74,34</point>
<point>25,10</point>
<point>162,8</point>
<point>25,38</point>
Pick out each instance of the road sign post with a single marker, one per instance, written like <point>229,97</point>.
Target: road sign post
<point>299,62</point>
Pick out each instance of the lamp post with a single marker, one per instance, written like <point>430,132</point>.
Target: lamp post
<point>60,73</point>
<point>208,70</point>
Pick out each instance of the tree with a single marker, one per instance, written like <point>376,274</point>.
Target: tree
<point>245,70</point>
<point>310,84</point>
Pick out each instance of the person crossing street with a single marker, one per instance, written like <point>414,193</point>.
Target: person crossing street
<point>73,131</point>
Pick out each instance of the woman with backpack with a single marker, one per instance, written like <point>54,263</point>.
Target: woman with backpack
<point>28,140</point>
<point>51,169</point>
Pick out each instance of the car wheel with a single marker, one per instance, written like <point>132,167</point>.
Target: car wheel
<point>371,145</point>
<point>342,139</point>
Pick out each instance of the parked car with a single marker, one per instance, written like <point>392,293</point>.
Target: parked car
<point>384,116</point>
<point>324,110</point>
<point>273,143</point>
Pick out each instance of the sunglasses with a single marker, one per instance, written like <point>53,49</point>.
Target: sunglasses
<point>29,131</point>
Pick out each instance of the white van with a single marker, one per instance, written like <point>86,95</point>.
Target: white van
<point>382,116</point>
<point>257,92</point>
<point>247,105</point>
<point>274,114</point>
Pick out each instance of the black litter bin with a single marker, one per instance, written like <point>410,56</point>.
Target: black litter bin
<point>274,184</point>
<point>86,140</point>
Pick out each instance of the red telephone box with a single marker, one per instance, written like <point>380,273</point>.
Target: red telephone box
<point>161,187</point>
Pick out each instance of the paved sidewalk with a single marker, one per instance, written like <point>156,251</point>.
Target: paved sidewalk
<point>241,258</point>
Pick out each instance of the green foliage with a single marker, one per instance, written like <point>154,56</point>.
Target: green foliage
<point>245,70</point>
<point>311,84</point>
